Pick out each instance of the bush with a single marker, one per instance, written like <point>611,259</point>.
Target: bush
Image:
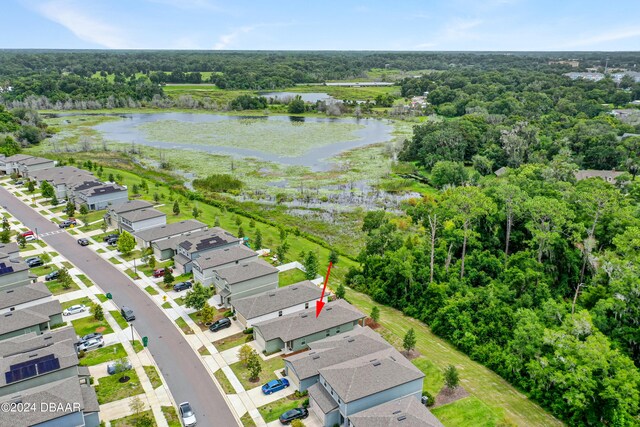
<point>81,354</point>
<point>218,183</point>
<point>305,403</point>
<point>228,313</point>
<point>430,399</point>
<point>248,331</point>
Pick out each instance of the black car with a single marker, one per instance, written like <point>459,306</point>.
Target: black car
<point>83,242</point>
<point>110,237</point>
<point>52,276</point>
<point>220,324</point>
<point>182,286</point>
<point>294,414</point>
<point>67,223</point>
<point>34,262</point>
<point>113,241</point>
<point>19,182</point>
<point>127,313</point>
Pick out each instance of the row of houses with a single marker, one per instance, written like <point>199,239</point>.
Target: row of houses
<point>39,364</point>
<point>23,164</point>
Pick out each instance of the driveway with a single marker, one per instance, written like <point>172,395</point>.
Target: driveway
<point>185,374</point>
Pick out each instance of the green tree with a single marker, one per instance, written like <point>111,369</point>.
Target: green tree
<point>240,232</point>
<point>297,423</point>
<point>216,223</point>
<point>244,354</point>
<point>341,291</point>
<point>207,313</point>
<point>195,212</point>
<point>451,378</point>
<point>5,236</point>
<point>296,106</point>
<point>9,146</point>
<point>126,243</point>
<point>104,226</point>
<point>47,190</point>
<point>168,278</point>
<point>482,164</point>
<point>375,314</point>
<point>31,186</point>
<point>446,173</point>
<point>156,197</point>
<point>22,241</point>
<point>547,220</point>
<point>409,340</point>
<point>333,257</point>
<point>84,211</point>
<point>97,311</point>
<point>70,208</point>
<point>151,262</point>
<point>197,297</point>
<point>134,189</point>
<point>254,366</point>
<point>258,240</point>
<point>65,278</point>
<point>310,263</point>
<point>54,200</point>
<point>176,208</point>
<point>281,251</point>
<point>111,178</point>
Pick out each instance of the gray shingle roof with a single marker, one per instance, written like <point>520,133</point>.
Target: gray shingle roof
<point>17,158</point>
<point>34,161</point>
<point>594,173</point>
<point>181,259</point>
<point>9,248</point>
<point>26,317</point>
<point>319,394</point>
<point>141,214</point>
<point>370,374</point>
<point>225,256</point>
<point>304,323</point>
<point>131,205</point>
<point>278,299</point>
<point>168,230</point>
<point>246,271</point>
<point>100,189</point>
<point>405,412</point>
<point>11,265</point>
<point>207,239</point>
<point>23,294</point>
<point>336,349</point>
<point>63,175</point>
<point>33,341</point>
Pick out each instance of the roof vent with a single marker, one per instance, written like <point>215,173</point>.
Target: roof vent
<point>8,314</point>
<point>303,315</point>
<point>351,340</point>
<point>315,357</point>
<point>294,288</point>
<point>377,363</point>
<point>272,294</point>
<point>329,308</point>
<point>402,417</point>
<point>396,412</point>
<point>9,291</point>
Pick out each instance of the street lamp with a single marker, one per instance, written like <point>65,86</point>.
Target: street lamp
<point>37,237</point>
<point>131,323</point>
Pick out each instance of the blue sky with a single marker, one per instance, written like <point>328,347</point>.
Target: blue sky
<point>325,24</point>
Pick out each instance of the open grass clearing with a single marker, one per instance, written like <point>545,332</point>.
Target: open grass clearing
<point>109,389</point>
<point>104,354</point>
<point>232,341</point>
<point>273,410</point>
<point>268,372</point>
<point>467,412</point>
<point>289,277</point>
<point>87,325</point>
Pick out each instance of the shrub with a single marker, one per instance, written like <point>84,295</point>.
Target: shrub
<point>305,403</point>
<point>228,313</point>
<point>430,399</point>
<point>248,331</point>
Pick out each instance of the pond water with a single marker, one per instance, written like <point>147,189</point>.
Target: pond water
<point>312,97</point>
<point>311,146</point>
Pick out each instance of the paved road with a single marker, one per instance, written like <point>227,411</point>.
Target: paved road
<point>186,376</point>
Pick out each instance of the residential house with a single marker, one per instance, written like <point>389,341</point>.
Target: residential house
<point>141,219</point>
<point>98,195</point>
<point>195,245</point>
<point>294,332</point>
<point>146,238</point>
<point>609,176</point>
<point>9,165</point>
<point>27,166</point>
<point>244,279</point>
<point>114,212</point>
<point>404,412</point>
<point>44,369</point>
<point>359,384</point>
<point>204,266</point>
<point>37,318</point>
<point>12,250</point>
<point>276,303</point>
<point>62,179</point>
<point>25,296</point>
<point>14,272</point>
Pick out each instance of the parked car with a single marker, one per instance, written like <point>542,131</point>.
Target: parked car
<point>109,237</point>
<point>275,385</point>
<point>187,415</point>
<point>30,238</point>
<point>294,414</point>
<point>182,286</point>
<point>225,322</point>
<point>27,233</point>
<point>113,368</point>
<point>113,241</point>
<point>91,344</point>
<point>52,276</point>
<point>74,309</point>
<point>91,335</point>
<point>67,223</point>
<point>127,313</point>
<point>83,242</point>
<point>160,272</point>
<point>34,262</point>
<point>18,182</point>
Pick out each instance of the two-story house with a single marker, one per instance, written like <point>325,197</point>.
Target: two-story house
<point>113,214</point>
<point>98,195</point>
<point>204,266</point>
<point>27,166</point>
<point>14,272</point>
<point>196,245</point>
<point>63,179</point>
<point>9,165</point>
<point>276,303</point>
<point>146,238</point>
<point>244,279</point>
<point>141,219</point>
<point>404,412</point>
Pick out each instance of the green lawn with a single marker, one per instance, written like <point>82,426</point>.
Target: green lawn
<point>166,305</point>
<point>247,421</point>
<point>87,282</point>
<point>467,412</point>
<point>104,354</point>
<point>290,277</point>
<point>129,272</point>
<point>84,300</point>
<point>153,375</point>
<point>182,324</point>
<point>137,346</point>
<point>272,411</point>
<point>267,374</point>
<point>224,382</point>
<point>179,301</point>
<point>101,297</point>
<point>151,290</point>
<point>101,251</point>
<point>109,389</point>
<point>203,351</point>
<point>67,265</point>
<point>132,420</point>
<point>56,288</point>
<point>114,260</point>
<point>88,324</point>
<point>137,254</point>
<point>433,380</point>
<point>232,341</point>
<point>171,416</point>
<point>27,247</point>
<point>53,254</point>
<point>43,270</point>
<point>119,319</point>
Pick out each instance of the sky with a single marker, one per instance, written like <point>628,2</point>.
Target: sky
<point>407,25</point>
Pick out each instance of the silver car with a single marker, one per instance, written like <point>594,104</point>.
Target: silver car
<point>187,415</point>
<point>91,344</point>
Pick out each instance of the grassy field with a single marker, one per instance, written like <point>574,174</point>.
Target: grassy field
<point>104,354</point>
<point>267,374</point>
<point>109,389</point>
<point>290,277</point>
<point>153,375</point>
<point>272,411</point>
<point>224,382</point>
<point>467,412</point>
<point>232,341</point>
<point>87,325</point>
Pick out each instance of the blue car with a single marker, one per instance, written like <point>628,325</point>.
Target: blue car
<point>275,385</point>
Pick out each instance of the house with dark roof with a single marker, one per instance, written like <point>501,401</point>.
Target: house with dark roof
<point>404,412</point>
<point>27,166</point>
<point>36,318</point>
<point>244,279</point>
<point>98,195</point>
<point>141,219</point>
<point>44,369</point>
<point>276,303</point>
<point>146,238</point>
<point>196,245</point>
<point>113,214</point>
<point>25,296</point>
<point>14,272</point>
<point>294,332</point>
<point>204,266</point>
<point>63,179</point>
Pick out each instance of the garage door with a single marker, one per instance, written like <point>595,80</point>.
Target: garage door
<point>316,410</point>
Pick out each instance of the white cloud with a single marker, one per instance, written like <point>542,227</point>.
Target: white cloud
<point>460,29</point>
<point>226,39</point>
<point>85,27</point>
<point>609,36</point>
<point>189,4</point>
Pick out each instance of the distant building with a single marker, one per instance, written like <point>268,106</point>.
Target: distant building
<point>609,176</point>
<point>113,214</point>
<point>586,76</point>
<point>99,195</point>
<point>570,62</point>
<point>404,412</point>
<point>501,171</point>
<point>146,238</point>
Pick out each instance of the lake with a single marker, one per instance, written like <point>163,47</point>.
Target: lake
<point>289,140</point>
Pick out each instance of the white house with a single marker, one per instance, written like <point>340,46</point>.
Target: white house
<point>204,266</point>
<point>141,219</point>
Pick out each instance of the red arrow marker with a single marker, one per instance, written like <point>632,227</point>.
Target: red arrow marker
<point>320,303</point>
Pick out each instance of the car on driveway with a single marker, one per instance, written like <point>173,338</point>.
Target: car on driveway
<point>27,233</point>
<point>18,182</point>
<point>294,414</point>
<point>52,276</point>
<point>74,309</point>
<point>67,223</point>
<point>83,242</point>
<point>30,238</point>
<point>91,344</point>
<point>187,415</point>
<point>225,322</point>
<point>91,336</point>
<point>34,262</point>
<point>113,368</point>
<point>113,241</point>
<point>275,385</point>
<point>109,237</point>
<point>182,286</point>
<point>160,272</point>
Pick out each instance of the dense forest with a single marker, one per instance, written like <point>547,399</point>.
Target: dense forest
<point>19,127</point>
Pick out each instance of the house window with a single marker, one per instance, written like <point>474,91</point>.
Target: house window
<point>306,305</point>
<point>280,313</point>
<point>328,332</point>
<point>339,402</point>
<point>302,342</point>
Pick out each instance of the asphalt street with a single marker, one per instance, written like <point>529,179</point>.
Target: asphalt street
<point>184,372</point>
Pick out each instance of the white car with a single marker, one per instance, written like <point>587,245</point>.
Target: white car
<point>187,415</point>
<point>91,344</point>
<point>29,238</point>
<point>74,309</point>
